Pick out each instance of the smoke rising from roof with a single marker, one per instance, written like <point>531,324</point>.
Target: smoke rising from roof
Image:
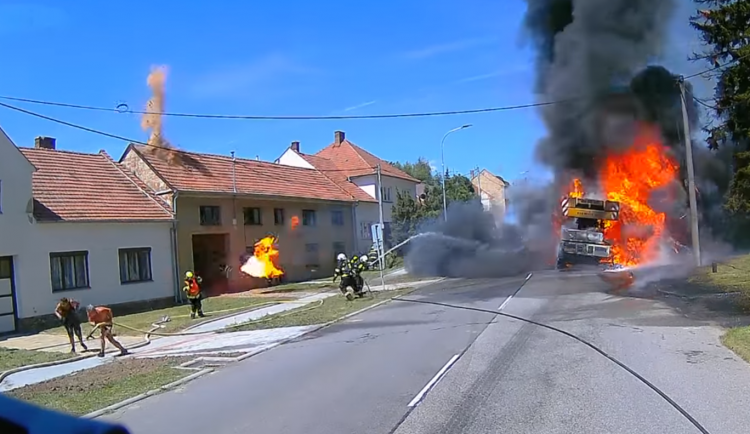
<point>152,120</point>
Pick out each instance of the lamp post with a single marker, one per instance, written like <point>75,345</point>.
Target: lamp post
<point>442,159</point>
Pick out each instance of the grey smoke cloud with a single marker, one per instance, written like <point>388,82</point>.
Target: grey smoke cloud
<point>597,56</point>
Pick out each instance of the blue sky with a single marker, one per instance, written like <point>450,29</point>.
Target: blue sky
<point>287,58</point>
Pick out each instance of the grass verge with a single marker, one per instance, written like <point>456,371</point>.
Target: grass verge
<point>730,276</point>
<point>738,340</point>
<point>299,287</point>
<point>213,307</point>
<point>96,388</point>
<point>331,309</point>
<point>13,358</point>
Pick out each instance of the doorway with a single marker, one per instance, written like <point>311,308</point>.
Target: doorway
<point>8,314</point>
<point>210,253</point>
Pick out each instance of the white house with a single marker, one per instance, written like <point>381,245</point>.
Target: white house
<point>355,170</point>
<point>77,225</point>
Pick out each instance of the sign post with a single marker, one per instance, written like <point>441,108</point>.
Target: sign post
<point>377,239</point>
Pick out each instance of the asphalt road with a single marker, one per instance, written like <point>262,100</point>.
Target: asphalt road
<point>361,376</point>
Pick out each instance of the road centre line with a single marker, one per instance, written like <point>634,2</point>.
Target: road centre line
<point>510,297</point>
<point>417,399</point>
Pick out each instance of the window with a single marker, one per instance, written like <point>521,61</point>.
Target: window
<point>253,217</point>
<point>339,247</point>
<point>135,265</point>
<point>210,216</point>
<point>385,193</point>
<point>6,268</point>
<point>278,216</point>
<point>337,217</point>
<point>308,217</point>
<point>365,230</point>
<point>69,270</point>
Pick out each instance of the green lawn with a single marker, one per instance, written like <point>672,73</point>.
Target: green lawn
<point>731,276</point>
<point>330,309</point>
<point>87,391</point>
<point>12,358</point>
<point>213,307</point>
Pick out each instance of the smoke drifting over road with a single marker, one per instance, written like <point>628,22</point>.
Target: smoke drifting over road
<point>595,56</point>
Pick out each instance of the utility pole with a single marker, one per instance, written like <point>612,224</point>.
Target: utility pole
<point>382,228</point>
<point>691,178</point>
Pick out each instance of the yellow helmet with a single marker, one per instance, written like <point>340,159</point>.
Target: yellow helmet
<point>189,275</point>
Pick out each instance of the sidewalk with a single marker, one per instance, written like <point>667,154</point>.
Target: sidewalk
<point>203,340</point>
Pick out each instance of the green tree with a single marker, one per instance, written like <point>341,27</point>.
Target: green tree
<point>724,27</point>
<point>409,214</point>
<point>420,170</point>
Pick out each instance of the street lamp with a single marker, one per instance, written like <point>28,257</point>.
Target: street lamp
<point>442,158</point>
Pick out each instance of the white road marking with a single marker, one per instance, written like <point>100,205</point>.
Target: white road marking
<point>510,297</point>
<point>434,381</point>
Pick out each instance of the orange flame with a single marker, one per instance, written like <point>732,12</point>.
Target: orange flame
<point>295,222</point>
<point>630,178</point>
<point>263,263</point>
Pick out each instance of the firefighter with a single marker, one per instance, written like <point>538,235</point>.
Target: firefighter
<point>358,268</point>
<point>193,290</point>
<point>344,271</point>
<point>101,318</point>
<point>67,312</point>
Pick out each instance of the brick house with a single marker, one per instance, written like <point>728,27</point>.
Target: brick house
<point>354,169</point>
<point>223,205</point>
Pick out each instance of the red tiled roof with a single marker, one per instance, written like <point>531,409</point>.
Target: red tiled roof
<point>72,186</point>
<point>213,173</point>
<point>337,175</point>
<point>358,162</point>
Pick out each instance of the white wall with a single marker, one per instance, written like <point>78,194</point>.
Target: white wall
<point>15,218</point>
<point>368,183</point>
<point>15,198</point>
<point>291,158</point>
<point>102,241</point>
<point>368,213</point>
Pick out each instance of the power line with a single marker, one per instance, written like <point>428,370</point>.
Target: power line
<point>125,139</point>
<point>716,67</point>
<point>123,108</point>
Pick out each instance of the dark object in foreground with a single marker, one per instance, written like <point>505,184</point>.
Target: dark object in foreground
<point>18,417</point>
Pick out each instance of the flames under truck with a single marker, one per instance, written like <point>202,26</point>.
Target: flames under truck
<point>582,234</point>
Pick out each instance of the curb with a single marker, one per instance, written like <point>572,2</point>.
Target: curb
<point>9,372</point>
<point>695,297</point>
<point>145,395</point>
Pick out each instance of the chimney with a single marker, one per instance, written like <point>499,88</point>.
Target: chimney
<point>339,137</point>
<point>42,142</point>
<point>295,146</point>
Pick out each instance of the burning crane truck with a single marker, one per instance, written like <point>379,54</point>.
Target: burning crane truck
<point>582,231</point>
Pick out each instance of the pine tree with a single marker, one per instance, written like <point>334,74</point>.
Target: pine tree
<point>724,27</point>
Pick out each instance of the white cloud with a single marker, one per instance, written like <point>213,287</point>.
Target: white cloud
<point>359,106</point>
<point>520,68</point>
<point>232,79</point>
<point>450,47</point>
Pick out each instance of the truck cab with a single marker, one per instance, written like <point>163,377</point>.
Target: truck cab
<point>582,233</point>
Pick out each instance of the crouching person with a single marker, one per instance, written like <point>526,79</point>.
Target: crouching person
<point>101,318</point>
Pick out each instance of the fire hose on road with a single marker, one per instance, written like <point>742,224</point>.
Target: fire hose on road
<point>262,319</point>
